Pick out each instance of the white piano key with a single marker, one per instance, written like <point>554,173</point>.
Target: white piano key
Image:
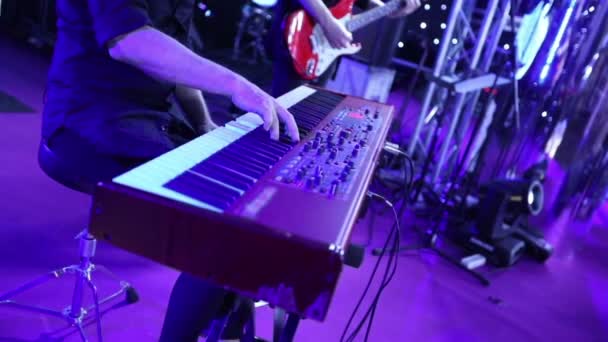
<point>295,96</point>
<point>152,176</point>
<point>250,119</point>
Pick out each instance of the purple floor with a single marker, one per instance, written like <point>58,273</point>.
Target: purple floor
<point>565,299</point>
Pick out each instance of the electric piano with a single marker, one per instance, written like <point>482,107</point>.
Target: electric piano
<point>270,220</point>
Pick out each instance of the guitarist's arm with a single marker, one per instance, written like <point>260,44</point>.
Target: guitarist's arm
<point>335,31</point>
<point>409,8</point>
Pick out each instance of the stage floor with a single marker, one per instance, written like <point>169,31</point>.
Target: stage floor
<point>565,299</point>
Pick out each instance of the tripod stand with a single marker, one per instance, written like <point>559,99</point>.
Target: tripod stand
<point>430,242</point>
<point>75,314</point>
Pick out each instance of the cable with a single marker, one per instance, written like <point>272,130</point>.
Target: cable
<point>389,273</point>
<point>352,316</point>
<point>386,280</point>
<point>395,230</point>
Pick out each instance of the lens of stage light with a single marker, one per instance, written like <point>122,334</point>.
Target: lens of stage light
<point>535,198</point>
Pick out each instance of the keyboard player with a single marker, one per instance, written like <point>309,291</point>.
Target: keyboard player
<point>116,64</point>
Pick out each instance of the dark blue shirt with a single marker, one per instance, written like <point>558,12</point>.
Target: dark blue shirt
<point>117,107</point>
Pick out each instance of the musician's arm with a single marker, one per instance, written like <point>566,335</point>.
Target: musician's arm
<point>374,3</point>
<point>121,27</point>
<point>335,31</point>
<point>318,10</point>
<point>163,57</point>
<point>194,106</point>
<point>410,6</point>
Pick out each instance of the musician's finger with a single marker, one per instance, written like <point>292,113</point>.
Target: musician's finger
<point>266,115</point>
<point>274,127</point>
<point>290,122</point>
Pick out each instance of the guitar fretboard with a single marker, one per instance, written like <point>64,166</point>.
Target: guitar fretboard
<point>360,20</point>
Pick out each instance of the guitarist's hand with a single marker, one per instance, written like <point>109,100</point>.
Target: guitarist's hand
<point>410,7</point>
<point>337,34</point>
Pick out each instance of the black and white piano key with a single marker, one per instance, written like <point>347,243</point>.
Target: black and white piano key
<point>214,170</point>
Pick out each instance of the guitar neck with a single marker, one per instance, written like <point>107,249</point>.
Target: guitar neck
<point>363,19</point>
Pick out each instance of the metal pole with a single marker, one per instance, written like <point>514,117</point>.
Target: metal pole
<point>486,62</point>
<point>441,56</point>
<point>460,98</point>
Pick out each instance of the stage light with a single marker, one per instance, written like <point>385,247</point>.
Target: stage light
<point>522,196</point>
<point>454,41</point>
<point>591,9</point>
<point>501,218</point>
<point>444,7</point>
<point>443,26</point>
<point>423,25</point>
<point>436,41</point>
<point>507,46</point>
<point>400,45</point>
<point>543,114</point>
<point>427,7</point>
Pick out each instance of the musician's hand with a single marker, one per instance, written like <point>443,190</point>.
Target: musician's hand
<point>251,98</point>
<point>410,7</point>
<point>337,34</point>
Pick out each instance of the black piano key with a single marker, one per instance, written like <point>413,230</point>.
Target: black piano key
<point>317,103</point>
<point>250,151</point>
<point>302,129</point>
<point>263,136</point>
<point>315,109</point>
<point>242,166</point>
<point>206,191</point>
<point>268,145</point>
<point>219,165</point>
<point>307,114</point>
<point>307,121</point>
<point>260,137</point>
<point>224,175</point>
<point>331,98</point>
<point>274,154</point>
<point>235,151</point>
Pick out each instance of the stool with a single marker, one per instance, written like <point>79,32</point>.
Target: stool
<point>59,170</point>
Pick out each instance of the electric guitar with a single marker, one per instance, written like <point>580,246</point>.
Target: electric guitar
<point>310,50</point>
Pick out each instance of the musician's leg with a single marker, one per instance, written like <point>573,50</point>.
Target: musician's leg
<point>193,305</point>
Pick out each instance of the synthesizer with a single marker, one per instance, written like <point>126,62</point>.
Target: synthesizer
<point>270,220</point>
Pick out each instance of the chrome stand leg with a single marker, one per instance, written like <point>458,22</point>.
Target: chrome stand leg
<point>75,314</point>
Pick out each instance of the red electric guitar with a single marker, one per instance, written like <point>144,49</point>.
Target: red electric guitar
<point>309,48</point>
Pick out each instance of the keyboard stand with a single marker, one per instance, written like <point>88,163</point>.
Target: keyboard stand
<point>285,325</point>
